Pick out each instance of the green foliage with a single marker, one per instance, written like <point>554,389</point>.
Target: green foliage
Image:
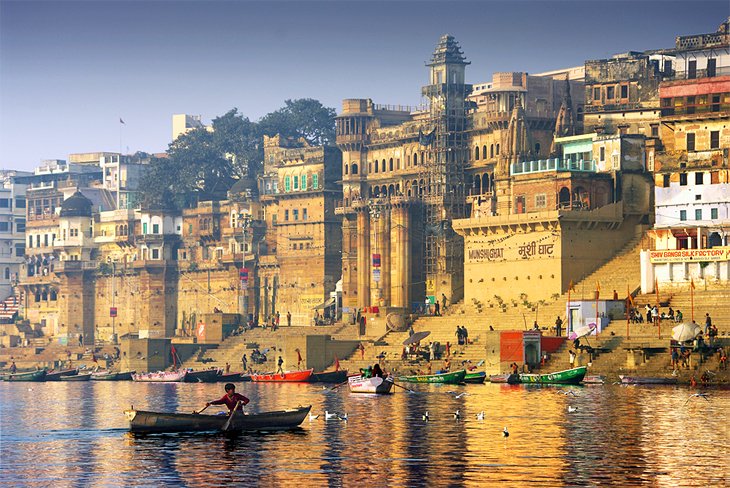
<point>206,162</point>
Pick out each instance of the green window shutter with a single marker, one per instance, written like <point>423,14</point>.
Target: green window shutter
<point>315,182</point>
<point>304,182</point>
<point>287,184</point>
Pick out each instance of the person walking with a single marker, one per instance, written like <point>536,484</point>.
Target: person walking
<point>436,309</point>
<point>362,350</point>
<point>443,302</point>
<point>280,363</point>
<point>708,323</point>
<point>459,336</point>
<point>244,362</point>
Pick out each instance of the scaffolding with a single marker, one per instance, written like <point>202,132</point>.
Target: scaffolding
<point>442,172</point>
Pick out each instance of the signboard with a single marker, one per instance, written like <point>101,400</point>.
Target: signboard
<point>690,255</point>
<point>376,275</point>
<point>536,245</point>
<point>376,260</point>
<point>243,273</point>
<point>430,286</point>
<point>112,311</point>
<point>244,285</point>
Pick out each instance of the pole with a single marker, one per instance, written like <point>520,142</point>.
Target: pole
<point>692,300</point>
<point>114,317</point>
<point>569,324</point>
<point>658,320</point>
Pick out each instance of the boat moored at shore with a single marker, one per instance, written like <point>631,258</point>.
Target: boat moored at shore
<point>451,378</point>
<point>376,384</point>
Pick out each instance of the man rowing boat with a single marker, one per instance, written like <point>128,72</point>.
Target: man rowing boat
<point>230,399</point>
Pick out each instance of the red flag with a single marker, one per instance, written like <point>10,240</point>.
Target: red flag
<point>571,286</point>
<point>692,283</point>
<point>337,363</point>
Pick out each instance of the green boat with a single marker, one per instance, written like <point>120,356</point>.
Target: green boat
<point>447,378</point>
<point>568,377</point>
<point>26,376</point>
<point>475,378</point>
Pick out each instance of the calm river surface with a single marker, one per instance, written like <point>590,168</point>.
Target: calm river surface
<point>74,434</point>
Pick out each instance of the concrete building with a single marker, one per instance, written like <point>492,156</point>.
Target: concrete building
<point>183,123</point>
<point>691,234</point>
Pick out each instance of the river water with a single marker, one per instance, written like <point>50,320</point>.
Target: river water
<point>74,434</point>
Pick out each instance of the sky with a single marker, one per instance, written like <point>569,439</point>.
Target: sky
<point>69,71</point>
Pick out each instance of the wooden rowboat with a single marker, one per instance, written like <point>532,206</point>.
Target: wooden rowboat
<point>111,376</point>
<point>475,378</point>
<point>567,377</point>
<point>157,422</point>
<point>56,375</point>
<point>229,377</point>
<point>594,379</point>
<point>376,384</point>
<point>647,380</point>
<point>329,377</point>
<point>161,377</point>
<point>202,376</point>
<point>76,377</point>
<point>285,377</point>
<point>25,376</point>
<point>452,378</point>
<point>510,378</point>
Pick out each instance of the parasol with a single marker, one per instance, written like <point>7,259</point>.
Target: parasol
<point>417,337</point>
<point>582,331</point>
<point>685,332</point>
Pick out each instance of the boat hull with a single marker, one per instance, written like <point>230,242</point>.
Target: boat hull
<point>76,377</point>
<point>57,375</point>
<point>475,378</point>
<point>157,422</point>
<point>647,380</point>
<point>568,377</point>
<point>377,385</point>
<point>444,378</point>
<point>286,377</point>
<point>28,376</point>
<point>160,377</point>
<point>203,376</point>
<point>509,378</point>
<point>107,376</point>
<point>329,377</point>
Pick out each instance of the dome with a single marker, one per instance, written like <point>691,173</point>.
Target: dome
<point>243,186</point>
<point>77,205</point>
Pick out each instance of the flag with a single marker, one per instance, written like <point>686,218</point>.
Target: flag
<point>629,298</point>
<point>426,139</point>
<point>598,286</point>
<point>121,121</point>
<point>571,286</point>
<point>692,283</point>
<point>173,351</point>
<point>337,364</point>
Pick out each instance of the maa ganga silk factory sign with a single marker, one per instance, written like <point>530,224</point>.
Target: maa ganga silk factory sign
<point>690,255</point>
<point>504,250</point>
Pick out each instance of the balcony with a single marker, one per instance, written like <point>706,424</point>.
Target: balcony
<point>546,165</point>
<point>700,73</point>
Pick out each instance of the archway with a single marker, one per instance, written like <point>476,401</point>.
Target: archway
<point>564,198</point>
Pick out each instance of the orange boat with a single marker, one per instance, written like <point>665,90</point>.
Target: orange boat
<point>285,377</point>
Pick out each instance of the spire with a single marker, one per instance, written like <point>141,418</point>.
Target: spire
<point>564,123</point>
<point>447,51</point>
<point>519,143</point>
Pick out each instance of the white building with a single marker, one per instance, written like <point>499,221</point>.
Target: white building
<point>12,229</point>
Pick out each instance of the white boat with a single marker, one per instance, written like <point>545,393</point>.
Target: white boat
<point>376,384</point>
<point>161,377</point>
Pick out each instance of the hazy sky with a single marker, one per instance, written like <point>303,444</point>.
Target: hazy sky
<point>70,70</point>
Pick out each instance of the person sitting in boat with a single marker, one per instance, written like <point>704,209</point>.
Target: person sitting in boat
<point>230,399</point>
<point>366,372</point>
<point>377,372</point>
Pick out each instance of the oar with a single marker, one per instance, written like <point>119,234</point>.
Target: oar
<point>201,410</point>
<point>407,389</point>
<point>227,425</point>
<point>338,385</point>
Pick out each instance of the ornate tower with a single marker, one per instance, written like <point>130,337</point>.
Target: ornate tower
<point>443,169</point>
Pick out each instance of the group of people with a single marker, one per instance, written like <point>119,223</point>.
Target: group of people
<point>373,371</point>
<point>462,335</point>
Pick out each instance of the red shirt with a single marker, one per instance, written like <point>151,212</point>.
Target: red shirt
<point>230,401</point>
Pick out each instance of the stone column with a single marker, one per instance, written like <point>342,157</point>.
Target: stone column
<point>385,258</point>
<point>400,255</point>
<point>363,257</point>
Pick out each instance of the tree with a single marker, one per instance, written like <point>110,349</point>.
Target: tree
<point>304,117</point>
<point>238,139</point>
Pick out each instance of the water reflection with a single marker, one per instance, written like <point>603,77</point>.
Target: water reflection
<point>615,435</point>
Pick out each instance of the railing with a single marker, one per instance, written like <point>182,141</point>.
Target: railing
<point>543,165</point>
<point>699,73</point>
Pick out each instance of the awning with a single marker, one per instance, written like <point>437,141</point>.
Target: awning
<point>327,304</point>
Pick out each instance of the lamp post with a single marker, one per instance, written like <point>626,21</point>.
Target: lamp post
<point>375,215</point>
<point>245,223</point>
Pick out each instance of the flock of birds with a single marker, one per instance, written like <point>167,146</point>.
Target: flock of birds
<point>481,415</point>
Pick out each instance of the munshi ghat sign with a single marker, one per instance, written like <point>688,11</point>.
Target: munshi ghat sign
<point>690,255</point>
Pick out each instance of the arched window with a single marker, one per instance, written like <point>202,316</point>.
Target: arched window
<point>408,161</point>
<point>476,153</point>
<point>491,151</point>
<point>415,159</point>
<point>390,164</point>
<point>537,148</point>
<point>354,169</point>
<point>497,152</point>
<point>391,190</point>
<point>564,198</point>
<point>383,167</point>
<point>484,151</point>
<point>377,165</point>
<point>347,166</point>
